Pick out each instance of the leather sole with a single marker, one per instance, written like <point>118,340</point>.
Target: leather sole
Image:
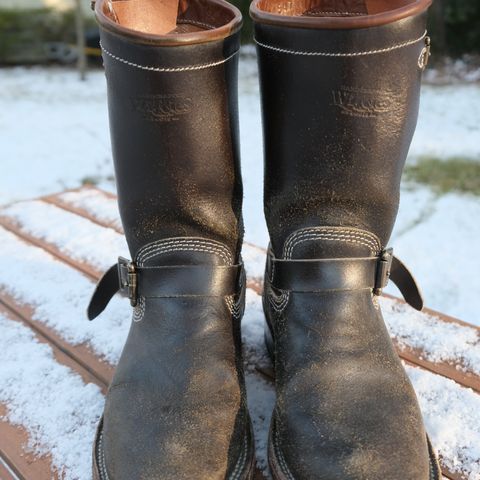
<point>275,464</point>
<point>99,467</point>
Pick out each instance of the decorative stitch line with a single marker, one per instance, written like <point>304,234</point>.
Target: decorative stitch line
<point>354,236</point>
<point>177,240</point>
<point>338,54</point>
<point>281,458</point>
<point>330,237</point>
<point>139,311</point>
<point>184,248</point>
<point>355,233</point>
<point>167,69</point>
<point>194,22</point>
<point>160,245</point>
<point>103,465</point>
<point>241,461</point>
<point>334,14</point>
<point>278,303</point>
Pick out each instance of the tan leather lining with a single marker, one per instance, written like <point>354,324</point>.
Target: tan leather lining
<point>335,13</point>
<point>149,16</point>
<point>169,22</point>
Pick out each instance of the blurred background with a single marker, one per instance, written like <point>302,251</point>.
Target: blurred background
<point>54,134</point>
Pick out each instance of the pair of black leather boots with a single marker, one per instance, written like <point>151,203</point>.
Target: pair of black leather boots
<point>340,84</point>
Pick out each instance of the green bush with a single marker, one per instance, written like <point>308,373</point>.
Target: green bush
<point>454,26</point>
<point>23,33</point>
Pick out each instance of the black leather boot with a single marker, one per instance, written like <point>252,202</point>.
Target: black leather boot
<point>340,84</point>
<point>176,408</point>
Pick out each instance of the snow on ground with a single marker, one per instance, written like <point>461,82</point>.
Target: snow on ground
<point>60,295</point>
<point>62,418</point>
<point>81,239</point>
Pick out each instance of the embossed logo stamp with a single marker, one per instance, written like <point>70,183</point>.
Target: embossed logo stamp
<point>162,108</point>
<point>361,102</point>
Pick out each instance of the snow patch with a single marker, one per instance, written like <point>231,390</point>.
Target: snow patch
<point>59,296</point>
<point>439,341</point>
<point>452,419</point>
<point>52,402</point>
<point>74,235</point>
<point>101,207</point>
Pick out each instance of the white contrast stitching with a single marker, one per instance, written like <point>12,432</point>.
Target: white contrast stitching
<point>160,246</point>
<point>241,461</point>
<point>333,14</point>
<point>171,243</point>
<point>102,463</point>
<point>281,458</point>
<point>194,22</point>
<point>344,232</point>
<point>191,248</point>
<point>167,69</point>
<point>327,233</point>
<point>329,237</point>
<point>139,310</point>
<point>234,307</point>
<point>339,54</point>
<point>278,302</point>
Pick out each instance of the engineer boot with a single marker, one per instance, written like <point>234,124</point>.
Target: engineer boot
<point>340,83</point>
<point>176,408</point>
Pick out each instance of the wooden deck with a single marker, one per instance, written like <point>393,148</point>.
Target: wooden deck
<point>16,461</point>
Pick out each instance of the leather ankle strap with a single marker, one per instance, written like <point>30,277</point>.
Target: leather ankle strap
<point>167,281</point>
<point>319,275</point>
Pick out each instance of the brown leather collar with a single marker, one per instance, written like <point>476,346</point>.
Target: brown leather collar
<point>263,11</point>
<point>231,15</point>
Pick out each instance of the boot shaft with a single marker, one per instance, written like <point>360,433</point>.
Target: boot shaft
<point>173,113</point>
<point>340,104</point>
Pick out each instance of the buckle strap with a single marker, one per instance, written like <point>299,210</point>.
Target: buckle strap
<point>167,281</point>
<point>319,275</point>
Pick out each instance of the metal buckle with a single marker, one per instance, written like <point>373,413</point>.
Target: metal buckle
<point>383,270</point>
<point>127,277</point>
<point>425,54</point>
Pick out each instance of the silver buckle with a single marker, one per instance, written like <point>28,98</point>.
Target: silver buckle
<point>127,277</point>
<point>383,270</point>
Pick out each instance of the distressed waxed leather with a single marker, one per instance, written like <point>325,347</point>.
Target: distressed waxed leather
<point>176,407</point>
<point>340,104</point>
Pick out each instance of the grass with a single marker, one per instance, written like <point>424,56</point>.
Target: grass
<point>456,174</point>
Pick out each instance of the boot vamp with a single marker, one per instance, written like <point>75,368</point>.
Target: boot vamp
<point>175,409</point>
<point>345,409</point>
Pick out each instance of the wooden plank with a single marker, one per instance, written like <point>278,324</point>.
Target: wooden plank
<point>16,228</point>
<point>57,200</point>
<point>95,373</point>
<point>6,472</point>
<point>14,451</point>
<point>90,364</point>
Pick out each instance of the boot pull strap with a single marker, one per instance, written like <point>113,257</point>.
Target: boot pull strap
<point>169,281</point>
<point>319,275</point>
